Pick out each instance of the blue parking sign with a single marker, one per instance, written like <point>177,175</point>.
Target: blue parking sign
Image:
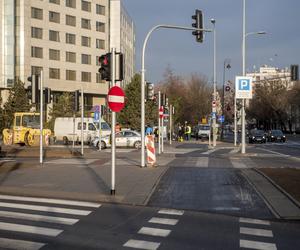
<point>244,84</point>
<point>243,87</point>
<point>96,116</point>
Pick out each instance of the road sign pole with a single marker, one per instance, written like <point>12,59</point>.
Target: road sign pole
<point>159,128</point>
<point>162,133</point>
<point>113,124</point>
<point>170,117</point>
<point>235,127</point>
<point>100,128</point>
<point>82,112</point>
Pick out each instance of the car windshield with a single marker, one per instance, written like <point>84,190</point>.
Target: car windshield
<point>31,121</point>
<point>258,132</point>
<point>277,132</point>
<point>202,127</point>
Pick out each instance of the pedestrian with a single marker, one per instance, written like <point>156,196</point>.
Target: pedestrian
<point>189,132</point>
<point>196,132</point>
<point>149,130</point>
<point>180,133</point>
<point>117,127</point>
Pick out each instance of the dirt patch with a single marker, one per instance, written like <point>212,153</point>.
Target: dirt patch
<point>286,178</point>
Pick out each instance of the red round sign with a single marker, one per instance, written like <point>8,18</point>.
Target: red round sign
<point>116,99</point>
<point>161,112</point>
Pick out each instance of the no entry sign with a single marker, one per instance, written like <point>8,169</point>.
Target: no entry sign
<point>161,112</point>
<point>116,99</point>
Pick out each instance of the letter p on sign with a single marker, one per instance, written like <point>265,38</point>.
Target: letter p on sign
<point>244,84</point>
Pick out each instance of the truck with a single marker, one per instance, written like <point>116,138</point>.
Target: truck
<point>67,129</point>
<point>25,130</point>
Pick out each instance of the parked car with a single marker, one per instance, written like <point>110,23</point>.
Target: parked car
<point>276,135</point>
<point>256,135</point>
<point>124,138</point>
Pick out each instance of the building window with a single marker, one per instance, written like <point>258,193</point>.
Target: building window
<point>86,6</point>
<point>86,76</point>
<point>100,9</point>
<point>85,41</point>
<point>36,13</point>
<point>54,17</point>
<point>71,75</point>
<point>36,52</point>
<point>85,59</point>
<point>71,3</point>
<point>54,54</point>
<point>54,35</point>
<point>70,38</point>
<point>71,57</point>
<point>70,20</point>
<point>54,1</point>
<point>100,44</point>
<point>36,33</point>
<point>98,78</point>
<point>54,73</point>
<point>36,70</point>
<point>85,23</point>
<point>100,26</point>
<point>97,60</point>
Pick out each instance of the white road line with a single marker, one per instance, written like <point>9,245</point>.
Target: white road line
<point>202,162</point>
<point>52,201</point>
<point>171,212</point>
<point>257,245</point>
<point>140,244</point>
<point>209,151</point>
<point>163,221</point>
<point>19,244</point>
<point>254,221</point>
<point>256,231</point>
<point>237,163</point>
<point>234,151</point>
<point>154,231</point>
<point>46,209</point>
<point>37,217</point>
<point>29,229</point>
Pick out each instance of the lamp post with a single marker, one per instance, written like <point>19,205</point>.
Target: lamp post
<point>227,66</point>
<point>243,150</point>
<point>214,117</point>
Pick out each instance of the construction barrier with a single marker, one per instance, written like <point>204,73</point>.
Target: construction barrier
<point>151,158</point>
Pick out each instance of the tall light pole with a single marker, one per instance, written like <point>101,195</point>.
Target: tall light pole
<point>213,21</point>
<point>243,150</point>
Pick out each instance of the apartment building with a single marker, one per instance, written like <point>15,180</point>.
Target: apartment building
<point>62,38</point>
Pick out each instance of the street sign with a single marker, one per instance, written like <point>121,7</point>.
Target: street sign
<point>221,119</point>
<point>96,116</point>
<point>116,99</point>
<point>243,87</point>
<point>213,115</point>
<point>161,112</point>
<point>96,108</point>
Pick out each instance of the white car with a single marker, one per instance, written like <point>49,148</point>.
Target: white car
<point>126,138</point>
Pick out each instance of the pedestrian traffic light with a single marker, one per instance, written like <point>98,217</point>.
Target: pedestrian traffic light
<point>76,100</point>
<point>105,67</point>
<point>198,24</point>
<point>34,79</point>
<point>294,72</point>
<point>47,95</point>
<point>150,91</point>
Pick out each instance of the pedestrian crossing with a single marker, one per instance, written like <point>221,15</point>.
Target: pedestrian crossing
<point>171,218</point>
<point>256,234</point>
<point>38,219</point>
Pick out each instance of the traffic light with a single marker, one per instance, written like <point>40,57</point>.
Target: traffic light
<point>47,94</point>
<point>119,67</point>
<point>150,91</point>
<point>105,67</point>
<point>76,100</point>
<point>199,25</point>
<point>294,72</point>
<point>163,99</point>
<point>34,79</point>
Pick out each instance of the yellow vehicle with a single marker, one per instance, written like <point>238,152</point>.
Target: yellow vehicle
<point>25,130</point>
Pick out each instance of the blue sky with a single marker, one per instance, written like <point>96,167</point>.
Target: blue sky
<point>178,49</point>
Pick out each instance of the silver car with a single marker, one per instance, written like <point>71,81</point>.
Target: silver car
<point>125,138</point>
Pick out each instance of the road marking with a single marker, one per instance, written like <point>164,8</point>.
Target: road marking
<point>256,231</point>
<point>257,245</point>
<point>29,229</point>
<point>48,200</point>
<point>171,211</point>
<point>237,163</point>
<point>46,209</point>
<point>209,151</point>
<point>140,244</point>
<point>37,217</point>
<point>20,244</point>
<point>154,231</point>
<point>202,162</point>
<point>254,221</point>
<point>163,221</point>
<point>234,151</point>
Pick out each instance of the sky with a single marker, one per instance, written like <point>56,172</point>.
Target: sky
<point>179,51</point>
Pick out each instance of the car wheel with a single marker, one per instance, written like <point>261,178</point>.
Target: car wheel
<point>137,145</point>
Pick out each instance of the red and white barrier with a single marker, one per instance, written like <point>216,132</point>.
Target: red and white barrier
<point>151,158</point>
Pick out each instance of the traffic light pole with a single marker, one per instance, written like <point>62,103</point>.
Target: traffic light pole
<point>41,117</point>
<point>82,113</point>
<point>143,79</point>
<point>113,125</point>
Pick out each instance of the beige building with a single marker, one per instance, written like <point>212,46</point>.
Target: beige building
<point>62,38</point>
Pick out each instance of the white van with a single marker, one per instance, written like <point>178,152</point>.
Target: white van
<point>67,127</point>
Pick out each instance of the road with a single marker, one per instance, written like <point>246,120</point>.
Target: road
<point>203,201</point>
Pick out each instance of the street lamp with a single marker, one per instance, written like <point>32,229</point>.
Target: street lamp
<point>243,150</point>
<point>213,21</point>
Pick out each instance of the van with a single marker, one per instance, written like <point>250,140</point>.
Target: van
<point>67,128</point>
<point>203,131</point>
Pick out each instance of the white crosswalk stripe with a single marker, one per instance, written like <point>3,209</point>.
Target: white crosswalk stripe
<point>49,213</point>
